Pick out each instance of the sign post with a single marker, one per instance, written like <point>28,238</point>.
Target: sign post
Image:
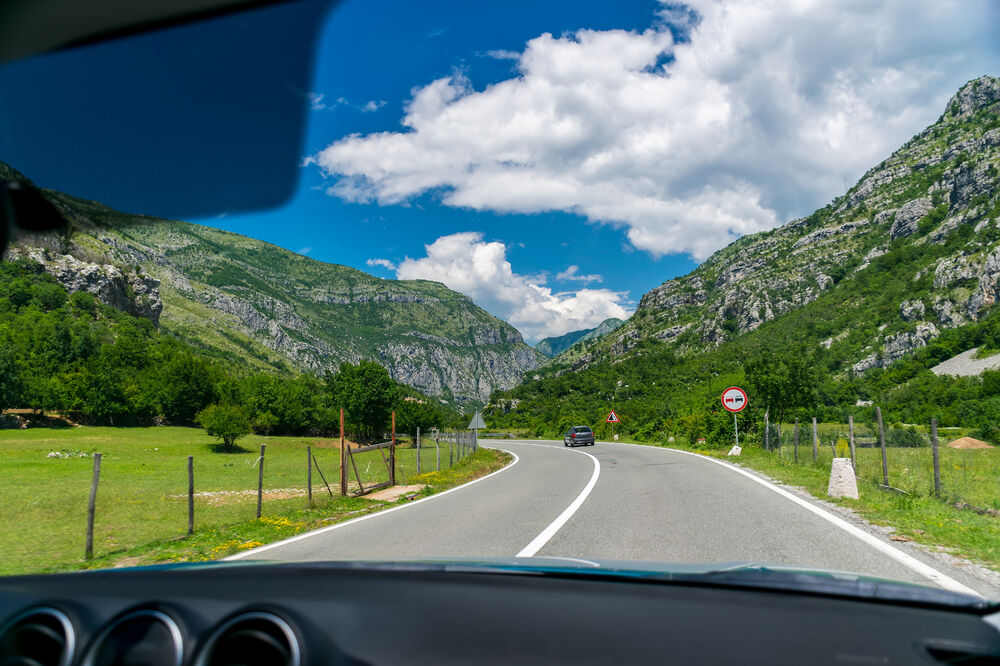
<point>613,419</point>
<point>475,425</point>
<point>734,399</point>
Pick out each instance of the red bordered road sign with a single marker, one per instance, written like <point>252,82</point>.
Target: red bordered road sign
<point>612,418</point>
<point>734,399</point>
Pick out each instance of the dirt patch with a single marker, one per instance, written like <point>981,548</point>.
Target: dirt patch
<point>217,497</point>
<point>46,420</point>
<point>968,443</point>
<point>394,493</point>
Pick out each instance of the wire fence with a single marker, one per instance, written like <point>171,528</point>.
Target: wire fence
<point>129,504</point>
<point>916,460</point>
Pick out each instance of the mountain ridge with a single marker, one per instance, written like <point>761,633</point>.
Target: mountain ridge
<point>235,296</point>
<point>899,273</point>
<point>555,345</point>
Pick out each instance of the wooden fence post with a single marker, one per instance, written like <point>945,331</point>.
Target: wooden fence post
<point>850,426</point>
<point>91,505</point>
<point>767,432</point>
<point>309,473</point>
<point>937,463</point>
<point>392,452</point>
<point>796,444</point>
<point>260,479</point>
<point>451,458</point>
<point>343,454</point>
<point>881,441</point>
<point>190,494</point>
<point>815,441</point>
<point>437,449</point>
<point>418,449</point>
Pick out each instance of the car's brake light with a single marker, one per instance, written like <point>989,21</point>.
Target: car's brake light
<point>573,434</point>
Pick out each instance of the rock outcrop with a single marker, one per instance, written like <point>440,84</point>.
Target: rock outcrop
<point>133,292</point>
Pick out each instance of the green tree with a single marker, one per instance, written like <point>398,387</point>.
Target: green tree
<point>227,422</point>
<point>367,394</point>
<point>264,422</point>
<point>10,381</point>
<point>188,385</point>
<point>781,382</point>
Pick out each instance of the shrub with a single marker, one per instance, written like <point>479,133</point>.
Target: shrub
<point>227,422</point>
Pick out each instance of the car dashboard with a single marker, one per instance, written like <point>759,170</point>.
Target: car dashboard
<point>414,613</point>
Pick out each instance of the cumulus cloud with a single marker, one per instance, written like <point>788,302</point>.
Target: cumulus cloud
<point>756,115</point>
<point>570,275</point>
<point>305,250</point>
<point>479,269</point>
<point>384,263</point>
<point>372,105</point>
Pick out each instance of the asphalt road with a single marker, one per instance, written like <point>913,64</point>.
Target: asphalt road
<point>623,502</point>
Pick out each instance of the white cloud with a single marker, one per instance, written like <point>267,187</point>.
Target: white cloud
<point>502,54</point>
<point>384,263</point>
<point>316,101</point>
<point>372,105</point>
<point>757,118</point>
<point>569,275</point>
<point>304,250</point>
<point>479,269</point>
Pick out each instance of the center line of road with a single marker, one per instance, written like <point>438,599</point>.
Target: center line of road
<point>539,541</point>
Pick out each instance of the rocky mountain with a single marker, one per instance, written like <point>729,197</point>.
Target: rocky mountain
<point>556,345</point>
<point>240,298</point>
<point>910,250</point>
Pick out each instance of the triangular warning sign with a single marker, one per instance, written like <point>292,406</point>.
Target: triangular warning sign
<point>613,418</point>
<point>477,422</point>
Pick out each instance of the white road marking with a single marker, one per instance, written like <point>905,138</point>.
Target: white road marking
<point>376,514</point>
<point>905,559</point>
<point>539,541</point>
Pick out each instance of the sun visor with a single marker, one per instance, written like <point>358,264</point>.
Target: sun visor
<point>187,121</point>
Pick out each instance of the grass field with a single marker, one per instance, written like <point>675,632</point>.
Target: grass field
<point>141,511</point>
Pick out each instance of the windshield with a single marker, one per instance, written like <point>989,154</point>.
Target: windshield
<point>316,260</point>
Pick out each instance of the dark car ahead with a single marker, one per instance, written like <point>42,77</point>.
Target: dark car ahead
<point>578,435</point>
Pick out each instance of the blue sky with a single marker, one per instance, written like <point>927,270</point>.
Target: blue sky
<point>554,161</point>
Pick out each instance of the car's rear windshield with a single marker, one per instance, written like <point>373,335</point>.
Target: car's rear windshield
<point>583,429</point>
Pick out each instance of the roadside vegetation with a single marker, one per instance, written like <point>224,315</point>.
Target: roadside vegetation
<point>141,515</point>
<point>100,366</point>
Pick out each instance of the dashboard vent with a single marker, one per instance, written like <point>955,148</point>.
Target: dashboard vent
<point>38,637</point>
<point>252,639</point>
<point>139,638</point>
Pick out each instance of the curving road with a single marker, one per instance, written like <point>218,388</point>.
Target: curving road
<point>623,502</point>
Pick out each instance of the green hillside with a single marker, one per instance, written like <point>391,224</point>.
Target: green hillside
<point>245,300</point>
<point>872,290</point>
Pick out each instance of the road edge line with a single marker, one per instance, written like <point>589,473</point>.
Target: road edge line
<point>374,514</point>
<point>550,531</point>
<point>907,560</point>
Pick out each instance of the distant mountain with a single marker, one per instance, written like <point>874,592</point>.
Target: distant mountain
<point>240,298</point>
<point>556,345</point>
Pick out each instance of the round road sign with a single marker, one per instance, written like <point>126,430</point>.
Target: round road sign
<point>734,399</point>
